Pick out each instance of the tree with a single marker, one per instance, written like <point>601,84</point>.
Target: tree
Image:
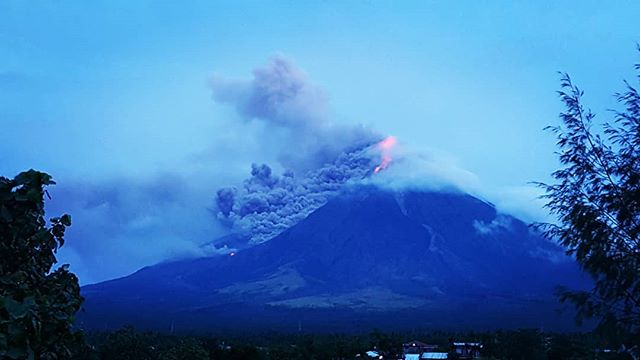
<point>596,200</point>
<point>127,344</point>
<point>37,305</point>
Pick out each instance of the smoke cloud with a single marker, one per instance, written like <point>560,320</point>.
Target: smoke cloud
<point>168,216</point>
<point>294,112</point>
<point>266,204</point>
<point>319,158</point>
<point>279,93</point>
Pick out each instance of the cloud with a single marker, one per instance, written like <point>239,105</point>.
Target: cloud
<point>499,223</point>
<point>120,225</point>
<point>282,118</point>
<point>279,93</point>
<point>124,223</point>
<point>266,204</point>
<point>426,170</point>
<point>295,113</point>
<point>318,156</point>
<point>521,201</point>
<point>437,171</point>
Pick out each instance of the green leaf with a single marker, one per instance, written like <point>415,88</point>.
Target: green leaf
<point>34,177</point>
<point>6,215</point>
<point>27,255</point>
<point>66,220</point>
<point>18,309</point>
<point>16,353</point>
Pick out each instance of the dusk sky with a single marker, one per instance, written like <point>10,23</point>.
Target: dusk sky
<point>115,100</point>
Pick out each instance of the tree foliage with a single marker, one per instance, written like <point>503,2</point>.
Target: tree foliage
<point>37,303</point>
<point>596,199</point>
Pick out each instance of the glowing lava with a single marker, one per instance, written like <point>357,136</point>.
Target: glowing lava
<point>385,146</point>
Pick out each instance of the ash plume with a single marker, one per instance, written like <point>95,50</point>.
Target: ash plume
<point>295,114</point>
<point>319,156</point>
<point>267,204</point>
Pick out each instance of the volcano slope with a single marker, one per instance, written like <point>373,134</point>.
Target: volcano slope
<point>368,258</point>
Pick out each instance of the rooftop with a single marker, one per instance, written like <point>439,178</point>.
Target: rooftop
<point>434,355</point>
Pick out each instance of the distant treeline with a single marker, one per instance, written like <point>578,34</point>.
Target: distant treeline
<point>130,344</point>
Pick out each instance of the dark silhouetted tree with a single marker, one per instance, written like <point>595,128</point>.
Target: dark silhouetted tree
<point>37,304</point>
<point>596,200</point>
<point>187,349</point>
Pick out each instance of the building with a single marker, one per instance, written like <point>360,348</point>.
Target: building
<point>466,350</point>
<point>417,348</point>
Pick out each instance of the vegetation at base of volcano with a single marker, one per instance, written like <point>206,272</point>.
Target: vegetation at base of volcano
<point>525,344</point>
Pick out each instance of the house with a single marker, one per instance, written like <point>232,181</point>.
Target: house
<point>417,350</point>
<point>417,347</point>
<point>466,350</point>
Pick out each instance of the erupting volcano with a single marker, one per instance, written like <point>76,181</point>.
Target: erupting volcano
<point>385,147</point>
<point>267,204</point>
<point>328,243</point>
<point>320,158</point>
<point>367,258</point>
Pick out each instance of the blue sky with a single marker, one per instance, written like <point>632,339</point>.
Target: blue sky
<point>108,92</point>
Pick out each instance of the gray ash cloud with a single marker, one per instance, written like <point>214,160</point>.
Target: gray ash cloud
<point>267,204</point>
<point>319,155</point>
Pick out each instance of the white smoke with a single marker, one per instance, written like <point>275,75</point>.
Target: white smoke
<point>499,223</point>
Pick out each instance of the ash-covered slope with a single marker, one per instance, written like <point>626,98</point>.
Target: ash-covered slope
<point>369,257</point>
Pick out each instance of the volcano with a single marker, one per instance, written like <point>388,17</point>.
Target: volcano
<point>368,258</point>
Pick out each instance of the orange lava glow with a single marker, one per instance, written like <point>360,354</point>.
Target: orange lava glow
<point>385,146</point>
